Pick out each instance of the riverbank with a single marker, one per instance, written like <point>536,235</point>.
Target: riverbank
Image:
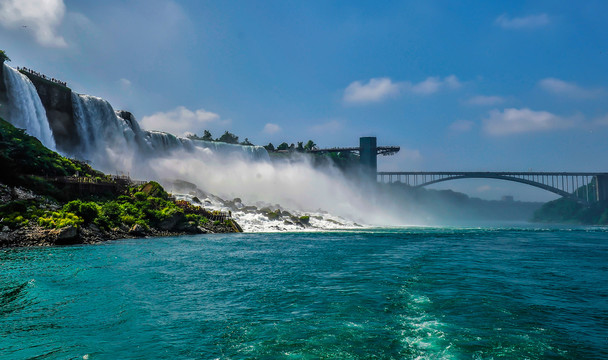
<point>47,199</point>
<point>35,235</point>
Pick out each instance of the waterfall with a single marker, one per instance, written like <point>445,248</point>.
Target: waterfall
<point>25,108</point>
<point>112,140</point>
<point>250,152</point>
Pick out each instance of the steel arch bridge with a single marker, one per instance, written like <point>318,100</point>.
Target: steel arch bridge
<point>573,185</point>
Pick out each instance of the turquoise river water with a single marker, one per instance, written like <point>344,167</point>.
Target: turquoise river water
<point>418,293</point>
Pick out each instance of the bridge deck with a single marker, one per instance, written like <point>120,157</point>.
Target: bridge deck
<point>499,173</point>
<point>381,150</point>
<point>580,186</point>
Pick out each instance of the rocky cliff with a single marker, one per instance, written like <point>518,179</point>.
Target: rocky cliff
<point>57,101</point>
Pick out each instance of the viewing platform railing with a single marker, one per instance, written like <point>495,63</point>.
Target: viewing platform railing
<point>42,76</point>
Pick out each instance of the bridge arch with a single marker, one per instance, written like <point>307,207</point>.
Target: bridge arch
<point>563,184</point>
<point>498,177</point>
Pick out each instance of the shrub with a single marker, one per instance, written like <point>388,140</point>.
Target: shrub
<point>59,219</point>
<point>140,196</point>
<point>88,211</point>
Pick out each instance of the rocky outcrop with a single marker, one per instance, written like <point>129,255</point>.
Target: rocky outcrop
<point>57,101</point>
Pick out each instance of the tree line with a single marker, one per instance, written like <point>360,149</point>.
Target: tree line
<point>231,138</point>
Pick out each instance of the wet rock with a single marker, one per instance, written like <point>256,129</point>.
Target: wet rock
<point>171,222</point>
<point>188,227</point>
<point>137,230</point>
<point>5,229</point>
<point>68,236</point>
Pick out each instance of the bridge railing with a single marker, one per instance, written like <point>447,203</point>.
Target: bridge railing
<point>581,186</point>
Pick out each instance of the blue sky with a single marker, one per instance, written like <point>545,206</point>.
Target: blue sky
<point>469,85</point>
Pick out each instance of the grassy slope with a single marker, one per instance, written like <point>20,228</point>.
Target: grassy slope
<point>569,211</point>
<point>26,163</point>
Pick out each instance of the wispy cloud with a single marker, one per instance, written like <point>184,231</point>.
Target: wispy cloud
<point>601,121</point>
<point>524,22</point>
<point>517,121</point>
<point>376,89</point>
<point>181,120</point>
<point>271,128</point>
<point>432,85</point>
<point>461,126</point>
<point>406,158</point>
<point>41,18</point>
<point>569,89</point>
<point>482,100</point>
<point>329,127</point>
<point>380,89</point>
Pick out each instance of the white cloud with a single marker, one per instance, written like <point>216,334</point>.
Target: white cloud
<point>461,125</point>
<point>481,100</point>
<point>601,121</point>
<point>331,126</point>
<point>517,121</point>
<point>270,128</point>
<point>125,83</point>
<point>568,89</point>
<point>432,85</point>
<point>379,89</point>
<point>525,22</point>
<point>376,89</point>
<point>181,120</point>
<point>42,17</point>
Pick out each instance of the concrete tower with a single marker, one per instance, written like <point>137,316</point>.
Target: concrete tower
<point>368,152</point>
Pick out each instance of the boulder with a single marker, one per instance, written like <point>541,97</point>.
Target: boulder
<point>137,230</point>
<point>67,236</point>
<point>171,222</point>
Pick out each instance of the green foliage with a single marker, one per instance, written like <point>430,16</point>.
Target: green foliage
<point>565,210</point>
<point>246,142</point>
<point>207,135</point>
<point>310,145</point>
<point>269,147</point>
<point>283,146</point>
<point>140,196</point>
<point>304,219</point>
<point>153,189</point>
<point>25,162</point>
<point>229,138</point>
<point>4,57</point>
<point>59,219</point>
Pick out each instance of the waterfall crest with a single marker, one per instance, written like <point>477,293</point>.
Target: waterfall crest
<point>25,108</point>
<point>113,140</point>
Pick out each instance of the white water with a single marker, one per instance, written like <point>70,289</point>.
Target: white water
<point>25,108</point>
<point>114,143</point>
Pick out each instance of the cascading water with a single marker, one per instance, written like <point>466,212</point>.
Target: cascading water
<point>25,108</point>
<point>112,140</point>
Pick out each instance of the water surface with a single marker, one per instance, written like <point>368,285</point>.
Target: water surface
<point>503,293</point>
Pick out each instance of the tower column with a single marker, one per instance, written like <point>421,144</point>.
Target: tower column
<point>601,182</point>
<point>367,157</point>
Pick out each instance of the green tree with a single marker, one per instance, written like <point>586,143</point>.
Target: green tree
<point>283,146</point>
<point>229,138</point>
<point>4,57</point>
<point>269,147</point>
<point>300,146</point>
<point>207,136</point>
<point>246,142</point>
<point>310,145</point>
